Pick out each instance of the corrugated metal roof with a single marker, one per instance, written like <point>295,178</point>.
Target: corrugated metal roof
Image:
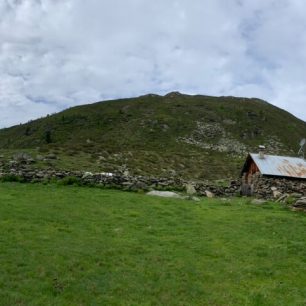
<point>281,165</point>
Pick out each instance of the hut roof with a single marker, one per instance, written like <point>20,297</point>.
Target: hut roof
<point>284,166</point>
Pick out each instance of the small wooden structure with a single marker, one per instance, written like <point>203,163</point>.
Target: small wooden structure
<point>262,165</point>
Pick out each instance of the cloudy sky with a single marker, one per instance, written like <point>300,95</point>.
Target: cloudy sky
<point>58,53</point>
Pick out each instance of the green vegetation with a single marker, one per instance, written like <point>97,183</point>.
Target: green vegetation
<point>87,246</point>
<point>146,135</point>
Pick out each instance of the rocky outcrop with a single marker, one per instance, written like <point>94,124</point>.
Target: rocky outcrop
<point>213,136</point>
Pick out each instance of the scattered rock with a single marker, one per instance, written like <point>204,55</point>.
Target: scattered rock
<point>196,199</point>
<point>23,158</point>
<point>258,202</point>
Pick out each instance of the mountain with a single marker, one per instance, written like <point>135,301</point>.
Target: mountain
<point>199,137</point>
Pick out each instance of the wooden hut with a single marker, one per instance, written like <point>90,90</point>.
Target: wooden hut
<point>272,166</point>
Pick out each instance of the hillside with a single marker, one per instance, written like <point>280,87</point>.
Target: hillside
<point>197,137</point>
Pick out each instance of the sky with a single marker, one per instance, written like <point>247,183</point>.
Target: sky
<point>55,54</point>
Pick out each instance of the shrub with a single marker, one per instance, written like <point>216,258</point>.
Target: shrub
<point>12,178</point>
<point>70,180</point>
<point>290,200</point>
<point>43,150</point>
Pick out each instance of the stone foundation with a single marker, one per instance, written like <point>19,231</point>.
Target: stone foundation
<point>273,187</point>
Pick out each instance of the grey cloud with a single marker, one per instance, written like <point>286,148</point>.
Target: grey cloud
<point>56,54</point>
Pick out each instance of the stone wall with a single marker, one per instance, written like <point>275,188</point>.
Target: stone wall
<point>118,180</point>
<point>274,188</point>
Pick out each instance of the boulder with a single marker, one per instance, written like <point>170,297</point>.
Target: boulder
<point>209,194</point>
<point>296,195</point>
<point>196,199</point>
<point>190,190</point>
<point>87,175</point>
<point>39,158</point>
<point>258,202</point>
<point>51,156</point>
<point>276,194</point>
<point>300,204</point>
<point>282,198</point>
<point>165,194</point>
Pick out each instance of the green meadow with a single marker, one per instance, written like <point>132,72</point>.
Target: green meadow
<point>65,245</point>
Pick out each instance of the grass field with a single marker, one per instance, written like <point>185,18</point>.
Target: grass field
<point>86,246</point>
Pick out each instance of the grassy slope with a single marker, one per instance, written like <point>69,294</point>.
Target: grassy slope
<point>144,131</point>
<point>81,246</point>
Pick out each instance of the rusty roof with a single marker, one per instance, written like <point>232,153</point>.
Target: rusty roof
<point>293,167</point>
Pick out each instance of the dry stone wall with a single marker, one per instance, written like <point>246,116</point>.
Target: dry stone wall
<point>262,187</point>
<point>274,188</point>
<point>118,180</point>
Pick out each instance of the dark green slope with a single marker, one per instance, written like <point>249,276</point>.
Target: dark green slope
<point>191,136</point>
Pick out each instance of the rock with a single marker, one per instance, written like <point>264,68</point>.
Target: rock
<point>273,188</point>
<point>51,156</point>
<point>301,203</point>
<point>39,158</point>
<point>165,127</point>
<point>196,199</point>
<point>165,194</point>
<point>276,194</point>
<point>139,186</point>
<point>209,194</point>
<point>126,173</point>
<point>190,190</point>
<point>296,195</point>
<point>23,157</point>
<point>258,202</point>
<point>87,175</point>
<point>282,198</point>
<point>40,174</point>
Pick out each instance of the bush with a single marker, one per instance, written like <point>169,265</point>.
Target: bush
<point>290,200</point>
<point>70,180</point>
<point>12,178</point>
